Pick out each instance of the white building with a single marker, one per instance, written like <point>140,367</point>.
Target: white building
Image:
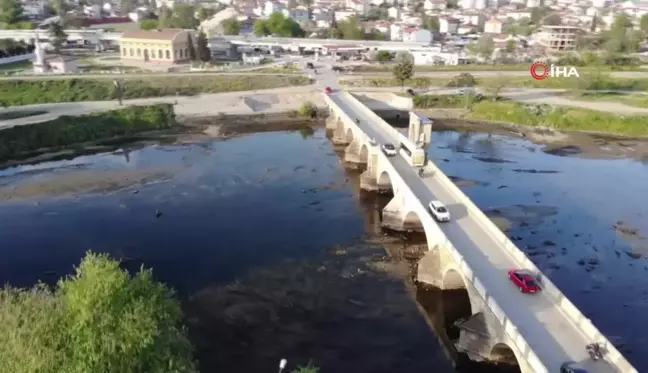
<point>395,32</point>
<point>493,26</point>
<point>417,35</point>
<point>480,4</point>
<point>558,38</point>
<point>271,7</point>
<point>434,56</point>
<point>434,5</point>
<point>467,4</point>
<point>341,15</point>
<point>448,25</point>
<point>300,14</point>
<point>533,3</point>
<point>394,13</point>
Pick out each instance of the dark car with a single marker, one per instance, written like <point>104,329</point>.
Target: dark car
<point>411,92</point>
<point>310,65</point>
<point>524,281</point>
<point>571,367</point>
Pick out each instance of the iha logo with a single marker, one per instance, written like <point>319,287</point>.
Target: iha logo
<point>540,70</point>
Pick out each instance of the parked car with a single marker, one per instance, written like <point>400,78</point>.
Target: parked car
<point>328,90</point>
<point>571,367</point>
<point>389,150</point>
<point>524,280</point>
<point>439,211</point>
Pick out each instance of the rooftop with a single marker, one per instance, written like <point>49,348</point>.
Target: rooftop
<point>159,34</point>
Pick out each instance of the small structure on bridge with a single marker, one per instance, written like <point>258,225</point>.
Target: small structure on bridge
<point>52,64</point>
<point>420,129</point>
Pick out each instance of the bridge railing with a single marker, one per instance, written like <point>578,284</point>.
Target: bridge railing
<point>380,122</point>
<point>434,232</point>
<point>580,321</point>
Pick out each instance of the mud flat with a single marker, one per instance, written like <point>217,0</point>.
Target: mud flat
<point>564,143</point>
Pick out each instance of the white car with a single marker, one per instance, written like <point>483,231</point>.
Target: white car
<point>439,211</point>
<point>389,150</point>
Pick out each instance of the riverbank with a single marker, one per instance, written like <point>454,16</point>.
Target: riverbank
<point>536,115</point>
<point>84,132</point>
<point>26,92</point>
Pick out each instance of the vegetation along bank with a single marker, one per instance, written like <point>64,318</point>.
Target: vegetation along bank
<point>562,118</point>
<point>22,142</point>
<point>26,92</point>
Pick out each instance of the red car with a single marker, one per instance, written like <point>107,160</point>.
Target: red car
<point>328,90</point>
<point>524,280</point>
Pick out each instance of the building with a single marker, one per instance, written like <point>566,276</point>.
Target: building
<point>434,56</point>
<point>52,64</point>
<point>166,46</point>
<point>448,25</point>
<point>300,14</point>
<point>416,35</point>
<point>558,38</point>
<point>493,26</point>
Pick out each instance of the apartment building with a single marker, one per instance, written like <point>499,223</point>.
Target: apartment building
<point>558,38</point>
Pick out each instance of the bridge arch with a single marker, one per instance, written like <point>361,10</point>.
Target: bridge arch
<point>349,135</point>
<point>453,280</point>
<point>501,353</point>
<point>384,180</point>
<point>364,154</point>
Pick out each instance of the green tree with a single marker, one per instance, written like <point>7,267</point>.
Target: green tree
<point>431,23</point>
<point>260,28</point>
<point>56,35</point>
<point>165,17</point>
<point>351,29</point>
<point>643,24</point>
<point>184,16</point>
<point>403,71</point>
<point>191,48</point>
<point>621,38</point>
<point>202,47</point>
<point>552,20</point>
<point>537,14</point>
<point>231,26</point>
<point>149,24</point>
<point>101,319</point>
<point>483,47</point>
<point>60,7</point>
<point>203,13</point>
<point>383,56</point>
<point>280,25</point>
<point>11,11</point>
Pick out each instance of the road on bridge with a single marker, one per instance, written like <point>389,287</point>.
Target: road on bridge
<point>549,332</point>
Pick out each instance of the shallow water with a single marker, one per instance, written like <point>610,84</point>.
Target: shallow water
<point>565,215</point>
<point>272,216</point>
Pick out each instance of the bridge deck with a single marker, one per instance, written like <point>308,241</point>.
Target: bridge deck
<point>549,332</point>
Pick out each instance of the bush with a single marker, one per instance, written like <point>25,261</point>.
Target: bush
<point>448,101</point>
<point>99,320</point>
<point>564,118</point>
<point>308,110</point>
<point>26,92</point>
<point>23,141</point>
<point>462,80</point>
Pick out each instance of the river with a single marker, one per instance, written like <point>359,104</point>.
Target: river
<point>276,254</point>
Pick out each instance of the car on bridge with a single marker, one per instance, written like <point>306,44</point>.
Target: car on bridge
<point>439,211</point>
<point>571,367</point>
<point>523,280</point>
<point>328,90</point>
<point>389,150</point>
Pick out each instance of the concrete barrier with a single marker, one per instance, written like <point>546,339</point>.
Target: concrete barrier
<point>18,58</point>
<point>565,305</point>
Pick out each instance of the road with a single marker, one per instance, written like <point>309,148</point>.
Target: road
<point>276,100</point>
<point>140,75</point>
<point>548,331</point>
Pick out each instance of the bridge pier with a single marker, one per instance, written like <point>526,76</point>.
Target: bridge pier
<point>332,121</point>
<point>339,137</point>
<point>356,152</point>
<point>396,217</point>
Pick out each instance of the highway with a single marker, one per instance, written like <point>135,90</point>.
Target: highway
<point>549,332</point>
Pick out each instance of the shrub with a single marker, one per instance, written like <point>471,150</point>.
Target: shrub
<point>22,141</point>
<point>308,110</point>
<point>560,117</point>
<point>99,320</point>
<point>26,92</point>
<point>462,80</point>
